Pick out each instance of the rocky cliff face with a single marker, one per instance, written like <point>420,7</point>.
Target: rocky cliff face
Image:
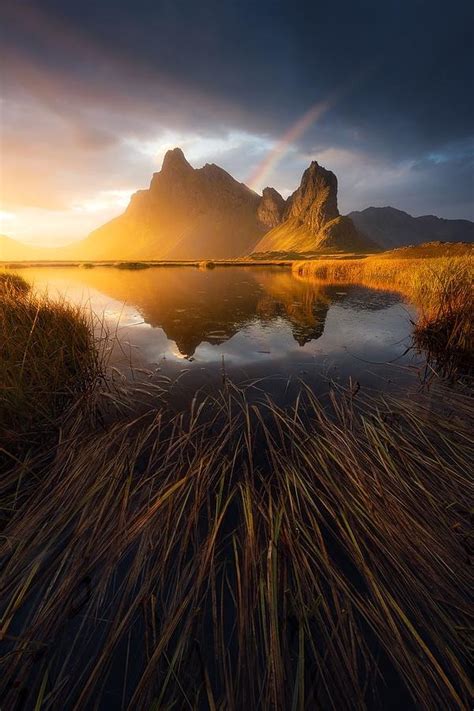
<point>204,213</point>
<point>314,203</point>
<point>186,213</point>
<point>311,219</point>
<point>271,208</point>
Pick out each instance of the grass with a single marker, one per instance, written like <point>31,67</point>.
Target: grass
<point>441,287</point>
<point>48,355</point>
<point>299,256</point>
<point>245,556</point>
<point>12,285</point>
<point>237,554</point>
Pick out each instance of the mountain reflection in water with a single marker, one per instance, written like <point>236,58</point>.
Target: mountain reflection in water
<point>265,319</point>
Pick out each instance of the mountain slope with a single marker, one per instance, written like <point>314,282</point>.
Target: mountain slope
<point>311,220</point>
<point>13,250</point>
<point>394,228</point>
<point>186,213</point>
<point>205,213</point>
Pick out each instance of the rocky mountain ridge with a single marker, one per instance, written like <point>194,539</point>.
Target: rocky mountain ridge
<point>204,213</point>
<point>392,228</point>
<point>311,220</point>
<point>187,213</point>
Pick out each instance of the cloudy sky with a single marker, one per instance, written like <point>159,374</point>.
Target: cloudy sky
<point>94,92</point>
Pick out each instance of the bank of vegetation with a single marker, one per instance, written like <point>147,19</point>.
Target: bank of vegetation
<point>234,555</point>
<point>49,354</point>
<point>441,287</point>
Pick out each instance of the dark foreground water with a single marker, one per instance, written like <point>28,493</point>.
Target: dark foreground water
<point>249,323</point>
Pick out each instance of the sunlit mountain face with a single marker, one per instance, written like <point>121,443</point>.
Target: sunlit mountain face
<point>93,97</point>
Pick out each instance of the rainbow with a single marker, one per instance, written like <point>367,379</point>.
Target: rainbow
<point>258,176</point>
<point>282,146</point>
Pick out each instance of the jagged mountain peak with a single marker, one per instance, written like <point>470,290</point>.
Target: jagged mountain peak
<point>187,213</point>
<point>311,219</point>
<point>314,203</point>
<point>175,160</point>
<point>204,213</point>
<point>271,208</point>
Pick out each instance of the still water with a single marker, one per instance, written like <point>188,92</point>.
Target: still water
<point>246,322</point>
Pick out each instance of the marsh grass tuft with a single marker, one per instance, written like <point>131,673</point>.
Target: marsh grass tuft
<point>48,354</point>
<point>441,288</point>
<point>240,555</point>
<point>12,285</point>
<point>445,328</point>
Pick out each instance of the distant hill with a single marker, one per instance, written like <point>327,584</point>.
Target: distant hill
<point>430,249</point>
<point>391,228</point>
<point>13,250</point>
<point>311,220</point>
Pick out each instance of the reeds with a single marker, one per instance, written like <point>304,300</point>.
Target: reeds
<point>48,354</point>
<point>442,288</point>
<point>445,328</point>
<point>243,556</point>
<point>12,285</point>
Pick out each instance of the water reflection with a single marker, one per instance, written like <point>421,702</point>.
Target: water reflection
<point>265,320</point>
<point>193,306</point>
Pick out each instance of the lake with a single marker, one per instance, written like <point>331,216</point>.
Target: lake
<point>248,323</point>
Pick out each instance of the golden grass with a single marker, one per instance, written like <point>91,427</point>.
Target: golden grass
<point>12,285</point>
<point>48,354</point>
<point>283,261</point>
<point>441,287</point>
<point>243,556</point>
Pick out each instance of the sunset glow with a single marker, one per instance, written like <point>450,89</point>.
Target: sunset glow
<point>87,116</point>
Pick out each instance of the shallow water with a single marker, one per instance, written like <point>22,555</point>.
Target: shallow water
<point>246,322</point>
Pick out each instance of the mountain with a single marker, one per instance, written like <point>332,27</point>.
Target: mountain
<point>271,208</point>
<point>311,220</point>
<point>204,213</point>
<point>186,213</point>
<point>394,228</point>
<point>12,250</point>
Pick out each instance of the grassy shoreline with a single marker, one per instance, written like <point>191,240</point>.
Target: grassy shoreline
<point>121,264</point>
<point>237,554</point>
<point>428,250</point>
<point>49,355</point>
<point>441,287</point>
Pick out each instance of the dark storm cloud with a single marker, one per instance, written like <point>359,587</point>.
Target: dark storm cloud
<point>403,69</point>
